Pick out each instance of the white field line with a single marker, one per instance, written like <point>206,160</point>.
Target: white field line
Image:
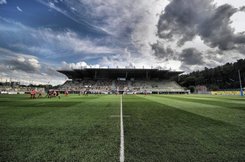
<point>119,116</point>
<point>121,134</point>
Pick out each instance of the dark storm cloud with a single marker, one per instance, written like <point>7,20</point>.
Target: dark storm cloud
<point>241,49</point>
<point>191,56</point>
<point>19,62</point>
<point>19,65</point>
<point>185,19</point>
<point>161,52</point>
<point>216,30</point>
<point>240,39</point>
<point>242,8</point>
<point>180,18</point>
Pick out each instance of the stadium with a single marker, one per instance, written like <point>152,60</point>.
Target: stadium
<point>121,115</point>
<point>122,81</point>
<point>128,81</point>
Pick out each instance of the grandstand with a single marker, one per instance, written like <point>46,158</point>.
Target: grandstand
<point>129,81</point>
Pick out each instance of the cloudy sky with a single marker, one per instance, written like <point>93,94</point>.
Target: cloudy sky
<point>38,37</point>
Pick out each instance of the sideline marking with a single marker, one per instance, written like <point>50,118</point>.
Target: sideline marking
<point>121,134</point>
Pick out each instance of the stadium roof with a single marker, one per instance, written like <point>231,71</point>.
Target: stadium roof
<point>114,73</point>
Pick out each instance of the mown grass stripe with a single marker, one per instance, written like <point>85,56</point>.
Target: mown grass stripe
<point>202,97</point>
<point>160,132</point>
<point>213,102</point>
<point>224,114</point>
<point>231,97</point>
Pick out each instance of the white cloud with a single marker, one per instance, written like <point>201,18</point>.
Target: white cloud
<point>238,22</point>
<point>72,41</point>
<point>71,17</point>
<point>78,65</point>
<point>198,43</point>
<point>19,61</point>
<point>19,9</point>
<point>34,62</point>
<point>132,25</point>
<point>66,41</point>
<point>3,2</point>
<point>27,69</point>
<point>127,59</point>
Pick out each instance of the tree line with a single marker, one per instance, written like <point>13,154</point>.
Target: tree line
<point>218,78</point>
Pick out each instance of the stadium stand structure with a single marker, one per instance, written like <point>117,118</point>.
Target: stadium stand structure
<point>130,81</point>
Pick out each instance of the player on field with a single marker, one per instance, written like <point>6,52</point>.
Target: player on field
<point>33,94</point>
<point>66,93</point>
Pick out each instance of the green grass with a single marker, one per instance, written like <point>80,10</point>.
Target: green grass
<point>70,129</point>
<point>156,128</point>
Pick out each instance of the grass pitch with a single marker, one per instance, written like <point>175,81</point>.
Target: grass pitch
<point>156,128</point>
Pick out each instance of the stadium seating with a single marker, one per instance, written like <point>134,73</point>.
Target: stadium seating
<point>113,86</point>
<point>121,80</point>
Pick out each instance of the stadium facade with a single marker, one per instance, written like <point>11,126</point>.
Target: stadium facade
<point>114,80</point>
